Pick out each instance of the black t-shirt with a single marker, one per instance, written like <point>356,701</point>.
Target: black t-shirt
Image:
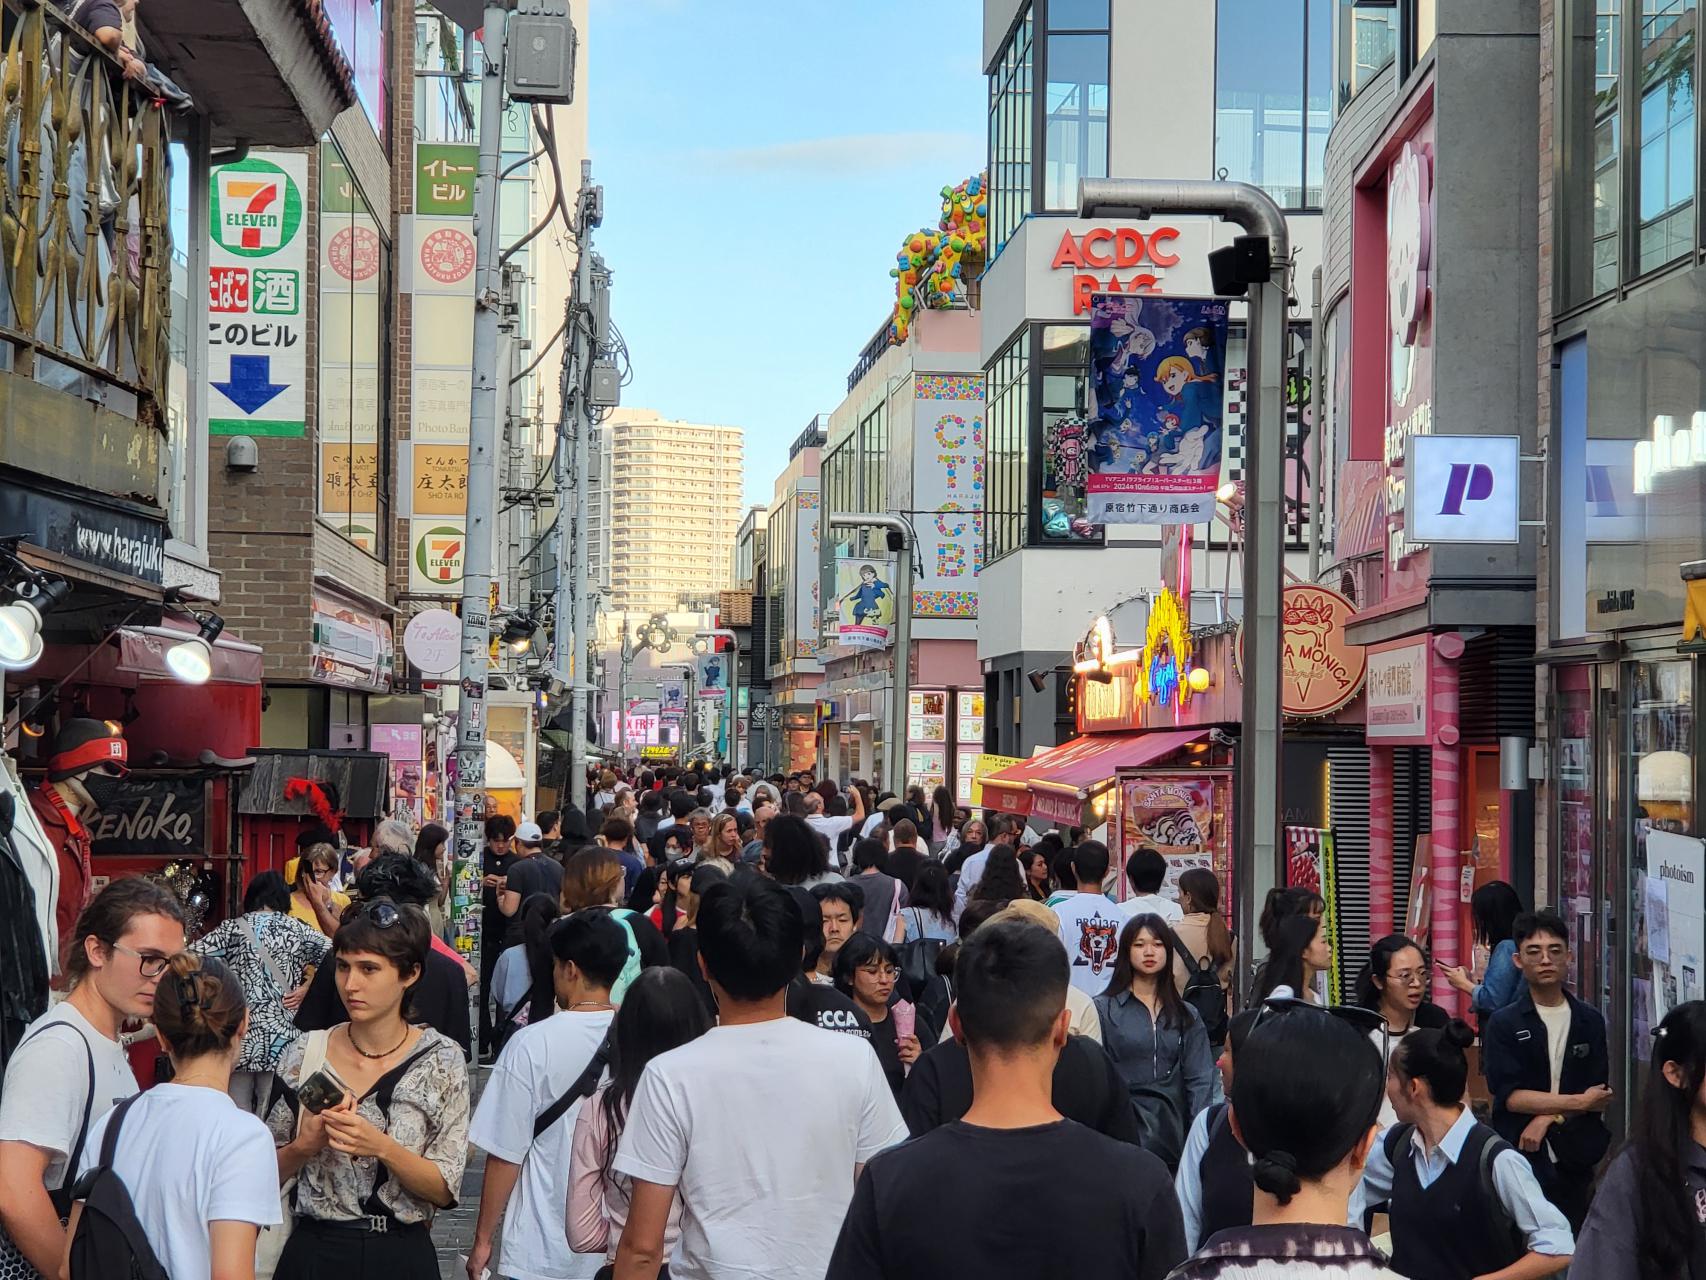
<point>440,999</point>
<point>1053,1200</point>
<point>888,1049</point>
<point>825,1007</point>
<point>493,940</point>
<point>92,15</point>
<point>654,951</point>
<point>535,874</point>
<point>1087,1088</point>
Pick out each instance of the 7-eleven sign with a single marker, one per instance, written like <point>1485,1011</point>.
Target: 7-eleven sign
<point>439,552</point>
<point>257,208</point>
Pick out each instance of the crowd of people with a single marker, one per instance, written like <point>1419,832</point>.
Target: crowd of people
<point>779,1028</point>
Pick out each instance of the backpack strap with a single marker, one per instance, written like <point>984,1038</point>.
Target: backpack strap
<point>383,1092</point>
<point>1504,1225</point>
<point>109,1140</point>
<point>62,1198</point>
<point>1395,1140</point>
<point>583,1086</point>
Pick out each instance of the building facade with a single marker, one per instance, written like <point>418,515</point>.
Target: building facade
<point>1248,89</point>
<point>787,627</point>
<point>667,502</point>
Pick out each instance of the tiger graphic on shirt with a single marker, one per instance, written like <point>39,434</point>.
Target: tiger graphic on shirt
<point>1097,940</point>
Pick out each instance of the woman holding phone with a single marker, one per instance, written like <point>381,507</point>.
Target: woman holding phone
<point>372,1115</point>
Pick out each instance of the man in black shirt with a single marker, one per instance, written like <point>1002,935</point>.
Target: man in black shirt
<point>817,1002</point>
<point>530,872</point>
<point>1012,1148</point>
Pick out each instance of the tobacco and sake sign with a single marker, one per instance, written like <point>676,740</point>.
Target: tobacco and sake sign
<point>257,331</point>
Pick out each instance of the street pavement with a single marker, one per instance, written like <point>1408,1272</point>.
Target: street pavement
<point>453,1232</point>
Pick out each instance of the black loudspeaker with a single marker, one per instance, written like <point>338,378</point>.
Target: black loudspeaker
<point>1244,262</point>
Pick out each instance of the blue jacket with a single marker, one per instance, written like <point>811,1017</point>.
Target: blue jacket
<point>1514,1056</point>
<point>1503,983</point>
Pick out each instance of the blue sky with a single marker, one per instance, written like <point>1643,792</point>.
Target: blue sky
<point>761,162</point>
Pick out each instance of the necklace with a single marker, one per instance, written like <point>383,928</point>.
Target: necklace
<point>592,1004</point>
<point>364,1053</point>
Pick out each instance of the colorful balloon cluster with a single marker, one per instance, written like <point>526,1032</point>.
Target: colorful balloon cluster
<point>934,265</point>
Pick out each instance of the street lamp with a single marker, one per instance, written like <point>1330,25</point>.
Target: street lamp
<point>1258,262</point>
<point>900,539</point>
<point>723,633</point>
<point>655,633</point>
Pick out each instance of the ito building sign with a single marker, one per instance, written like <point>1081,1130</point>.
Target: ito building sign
<point>257,334</point>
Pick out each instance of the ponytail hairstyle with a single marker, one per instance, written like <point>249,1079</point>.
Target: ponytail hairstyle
<point>198,1007</point>
<point>1285,962</point>
<point>108,916</point>
<point>538,913</point>
<point>1201,888</point>
<point>1306,1091</point>
<point>1666,1226</point>
<point>1435,1056</point>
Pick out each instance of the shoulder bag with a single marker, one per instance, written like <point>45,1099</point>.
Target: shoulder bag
<point>270,1246</point>
<point>1160,1107</point>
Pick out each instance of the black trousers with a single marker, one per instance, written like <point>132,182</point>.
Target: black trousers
<point>316,1251</point>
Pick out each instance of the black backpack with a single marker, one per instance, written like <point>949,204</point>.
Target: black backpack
<point>109,1243</point>
<point>1204,993</point>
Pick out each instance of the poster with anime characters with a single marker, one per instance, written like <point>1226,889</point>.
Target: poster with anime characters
<point>1157,404</point>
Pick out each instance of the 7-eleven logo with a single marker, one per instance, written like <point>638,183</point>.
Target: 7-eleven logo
<point>439,554</point>
<point>257,207</point>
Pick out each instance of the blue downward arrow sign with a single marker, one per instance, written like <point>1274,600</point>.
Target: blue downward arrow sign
<point>251,385</point>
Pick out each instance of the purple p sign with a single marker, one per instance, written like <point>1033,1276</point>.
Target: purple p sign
<point>1468,482</point>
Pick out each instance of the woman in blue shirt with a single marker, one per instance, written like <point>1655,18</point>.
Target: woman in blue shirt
<point>1494,909</point>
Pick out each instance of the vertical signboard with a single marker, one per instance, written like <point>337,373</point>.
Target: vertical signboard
<point>441,280</point>
<point>807,582</point>
<point>947,493</point>
<point>257,340</point>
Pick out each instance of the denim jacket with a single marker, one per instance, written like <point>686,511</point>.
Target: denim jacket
<point>1145,1055</point>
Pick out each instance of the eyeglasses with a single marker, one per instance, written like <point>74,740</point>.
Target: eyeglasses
<point>150,964</point>
<point>1408,977</point>
<point>880,971</point>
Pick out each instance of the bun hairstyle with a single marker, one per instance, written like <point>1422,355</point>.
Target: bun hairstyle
<point>1436,1055</point>
<point>1307,1090</point>
<point>198,1007</point>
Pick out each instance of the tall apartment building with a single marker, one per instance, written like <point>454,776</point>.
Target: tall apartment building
<point>665,507</point>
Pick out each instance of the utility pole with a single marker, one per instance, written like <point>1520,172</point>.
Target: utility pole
<point>482,472</point>
<point>1260,262</point>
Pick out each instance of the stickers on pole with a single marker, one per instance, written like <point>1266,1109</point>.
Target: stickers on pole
<point>257,340</point>
<point>440,279</point>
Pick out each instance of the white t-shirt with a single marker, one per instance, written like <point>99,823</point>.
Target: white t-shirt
<point>1151,904</point>
<point>1557,1020</point>
<point>189,1157</point>
<point>764,1169</point>
<point>1090,928</point>
<point>47,1084</point>
<point>829,828</point>
<point>537,1067</point>
<point>971,871</point>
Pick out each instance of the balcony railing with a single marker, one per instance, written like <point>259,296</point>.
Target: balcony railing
<point>85,226</point>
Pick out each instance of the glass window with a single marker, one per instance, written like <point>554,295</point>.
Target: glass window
<point>1076,102</point>
<point>873,460</point>
<point>1666,150</point>
<point>1066,405</point>
<point>1009,428</point>
<point>1077,15</point>
<point>1010,136</point>
<point>1364,43</point>
<point>1660,709</point>
<point>1590,205</point>
<point>1270,123</point>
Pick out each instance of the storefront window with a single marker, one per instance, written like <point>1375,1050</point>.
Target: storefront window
<point>1066,403</point>
<point>1010,136</point>
<point>1271,123</point>
<point>1009,429</point>
<point>1660,702</point>
<point>1666,154</point>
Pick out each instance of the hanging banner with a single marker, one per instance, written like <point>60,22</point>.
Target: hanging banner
<point>349,647</point>
<point>257,337</point>
<point>711,674</point>
<point>1157,401</point>
<point>947,493</point>
<point>1672,907</point>
<point>1310,864</point>
<point>864,601</point>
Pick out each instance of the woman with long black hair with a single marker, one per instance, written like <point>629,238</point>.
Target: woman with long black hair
<point>661,1012</point>
<point>1431,1170</point>
<point>1645,1223</point>
<point>1394,984</point>
<point>1493,909</point>
<point>1300,952</point>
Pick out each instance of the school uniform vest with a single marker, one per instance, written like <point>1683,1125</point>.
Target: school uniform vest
<point>1228,1191</point>
<point>1455,1228</point>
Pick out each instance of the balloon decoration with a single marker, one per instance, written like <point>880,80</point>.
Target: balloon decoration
<point>933,267</point>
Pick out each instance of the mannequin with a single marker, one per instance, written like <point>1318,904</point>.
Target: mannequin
<point>84,769</point>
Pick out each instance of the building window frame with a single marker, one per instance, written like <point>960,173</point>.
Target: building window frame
<point>1307,22</point>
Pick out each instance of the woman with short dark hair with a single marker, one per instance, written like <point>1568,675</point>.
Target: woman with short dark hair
<point>866,970</point>
<point>272,956</point>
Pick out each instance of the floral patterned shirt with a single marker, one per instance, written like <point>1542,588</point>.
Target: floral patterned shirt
<point>294,948</point>
<point>428,1116</point>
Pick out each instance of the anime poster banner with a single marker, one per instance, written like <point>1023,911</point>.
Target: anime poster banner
<point>1673,921</point>
<point>864,601</point>
<point>1310,863</point>
<point>1157,400</point>
<point>711,673</point>
<point>1181,816</point>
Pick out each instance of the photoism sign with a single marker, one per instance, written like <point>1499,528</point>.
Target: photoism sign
<point>257,333</point>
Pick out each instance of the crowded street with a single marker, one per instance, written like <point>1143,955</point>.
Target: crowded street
<point>662,640</point>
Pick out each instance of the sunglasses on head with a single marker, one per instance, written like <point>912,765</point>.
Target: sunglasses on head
<point>1363,1020</point>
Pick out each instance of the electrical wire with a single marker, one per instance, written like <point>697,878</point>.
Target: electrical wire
<point>543,352</point>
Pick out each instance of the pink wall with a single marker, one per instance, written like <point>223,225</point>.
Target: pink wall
<point>947,662</point>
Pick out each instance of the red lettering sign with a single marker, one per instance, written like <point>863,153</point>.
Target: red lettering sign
<point>228,289</point>
<point>1119,248</point>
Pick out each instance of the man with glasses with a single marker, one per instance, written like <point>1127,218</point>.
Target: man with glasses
<point>1546,1063</point>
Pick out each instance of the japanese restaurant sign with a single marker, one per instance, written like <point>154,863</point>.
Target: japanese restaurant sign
<point>1320,671</point>
<point>1398,676</point>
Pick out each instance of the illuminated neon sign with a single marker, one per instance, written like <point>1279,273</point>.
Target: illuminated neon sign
<point>1165,658</point>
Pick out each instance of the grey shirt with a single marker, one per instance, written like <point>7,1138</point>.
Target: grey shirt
<point>1606,1246</point>
<point>1146,1054</point>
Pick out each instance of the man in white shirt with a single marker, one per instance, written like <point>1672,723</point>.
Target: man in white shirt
<point>1002,830</point>
<point>765,1171</point>
<point>1090,924</point>
<point>828,825</point>
<point>527,1178</point>
<point>1146,870</point>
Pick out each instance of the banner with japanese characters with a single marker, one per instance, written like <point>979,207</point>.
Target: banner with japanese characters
<point>1157,401</point>
<point>353,282</point>
<point>864,601</point>
<point>440,280</point>
<point>257,339</point>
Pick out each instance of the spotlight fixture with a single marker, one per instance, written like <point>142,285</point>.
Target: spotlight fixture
<point>192,660</point>
<point>1038,679</point>
<point>1199,680</point>
<point>518,633</point>
<point>21,621</point>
